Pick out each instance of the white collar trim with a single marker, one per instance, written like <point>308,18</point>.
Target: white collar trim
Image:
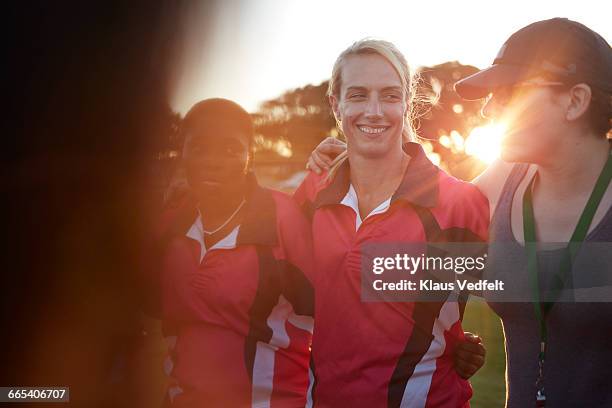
<point>196,232</point>
<point>351,200</point>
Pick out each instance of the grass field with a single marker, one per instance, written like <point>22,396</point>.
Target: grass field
<point>489,383</point>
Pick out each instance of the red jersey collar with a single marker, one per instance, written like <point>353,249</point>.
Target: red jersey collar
<point>258,226</point>
<point>419,185</point>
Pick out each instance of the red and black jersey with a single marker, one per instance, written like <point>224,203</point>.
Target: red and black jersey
<point>377,354</point>
<point>240,313</point>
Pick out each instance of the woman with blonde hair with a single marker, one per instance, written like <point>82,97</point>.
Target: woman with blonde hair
<point>384,190</point>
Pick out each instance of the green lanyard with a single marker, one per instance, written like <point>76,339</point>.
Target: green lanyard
<point>543,308</point>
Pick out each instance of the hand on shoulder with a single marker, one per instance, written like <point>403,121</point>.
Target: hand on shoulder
<point>492,180</point>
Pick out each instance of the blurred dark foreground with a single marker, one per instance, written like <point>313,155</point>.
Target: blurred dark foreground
<point>86,106</point>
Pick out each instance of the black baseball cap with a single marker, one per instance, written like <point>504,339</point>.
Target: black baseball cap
<point>564,49</point>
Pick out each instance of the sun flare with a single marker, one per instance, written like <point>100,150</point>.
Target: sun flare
<point>484,142</point>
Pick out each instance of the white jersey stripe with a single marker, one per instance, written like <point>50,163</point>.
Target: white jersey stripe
<point>263,375</point>
<point>305,323</point>
<point>417,387</point>
<point>277,320</point>
<point>309,402</point>
<point>263,366</point>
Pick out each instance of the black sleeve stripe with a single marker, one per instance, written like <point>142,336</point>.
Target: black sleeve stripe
<point>430,224</point>
<point>276,277</point>
<point>456,234</point>
<point>266,297</point>
<point>425,314</point>
<point>297,289</point>
<point>434,233</point>
<point>463,298</point>
<point>308,209</point>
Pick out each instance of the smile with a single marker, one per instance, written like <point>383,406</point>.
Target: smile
<point>371,129</point>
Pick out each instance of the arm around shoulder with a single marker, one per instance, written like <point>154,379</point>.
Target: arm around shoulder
<point>491,181</point>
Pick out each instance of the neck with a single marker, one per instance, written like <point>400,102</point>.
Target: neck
<point>217,210</point>
<point>372,176</point>
<point>573,167</point>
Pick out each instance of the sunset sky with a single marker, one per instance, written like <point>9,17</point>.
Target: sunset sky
<point>254,50</point>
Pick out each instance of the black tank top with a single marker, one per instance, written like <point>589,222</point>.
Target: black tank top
<point>578,367</point>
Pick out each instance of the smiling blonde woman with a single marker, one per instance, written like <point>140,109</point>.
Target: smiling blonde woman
<point>383,354</point>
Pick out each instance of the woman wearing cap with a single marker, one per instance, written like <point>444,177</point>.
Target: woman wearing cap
<point>383,354</point>
<point>551,84</point>
<point>236,305</point>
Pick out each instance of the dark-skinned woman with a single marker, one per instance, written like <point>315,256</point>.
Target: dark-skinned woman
<point>236,303</point>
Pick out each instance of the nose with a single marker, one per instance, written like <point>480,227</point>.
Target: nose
<point>373,108</point>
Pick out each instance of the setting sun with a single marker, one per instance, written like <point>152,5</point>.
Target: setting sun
<point>484,142</point>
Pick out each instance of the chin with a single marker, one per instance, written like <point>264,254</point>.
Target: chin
<point>374,148</point>
<point>373,152</point>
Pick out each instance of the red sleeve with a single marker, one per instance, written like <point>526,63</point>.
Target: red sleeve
<point>295,249</point>
<point>462,208</point>
<point>310,187</point>
<point>473,209</point>
<point>179,300</point>
<point>170,262</point>
<point>151,249</point>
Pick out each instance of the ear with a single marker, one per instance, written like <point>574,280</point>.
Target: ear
<point>335,105</point>
<point>579,101</point>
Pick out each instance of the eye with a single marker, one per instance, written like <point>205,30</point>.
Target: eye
<point>392,97</point>
<point>357,95</point>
